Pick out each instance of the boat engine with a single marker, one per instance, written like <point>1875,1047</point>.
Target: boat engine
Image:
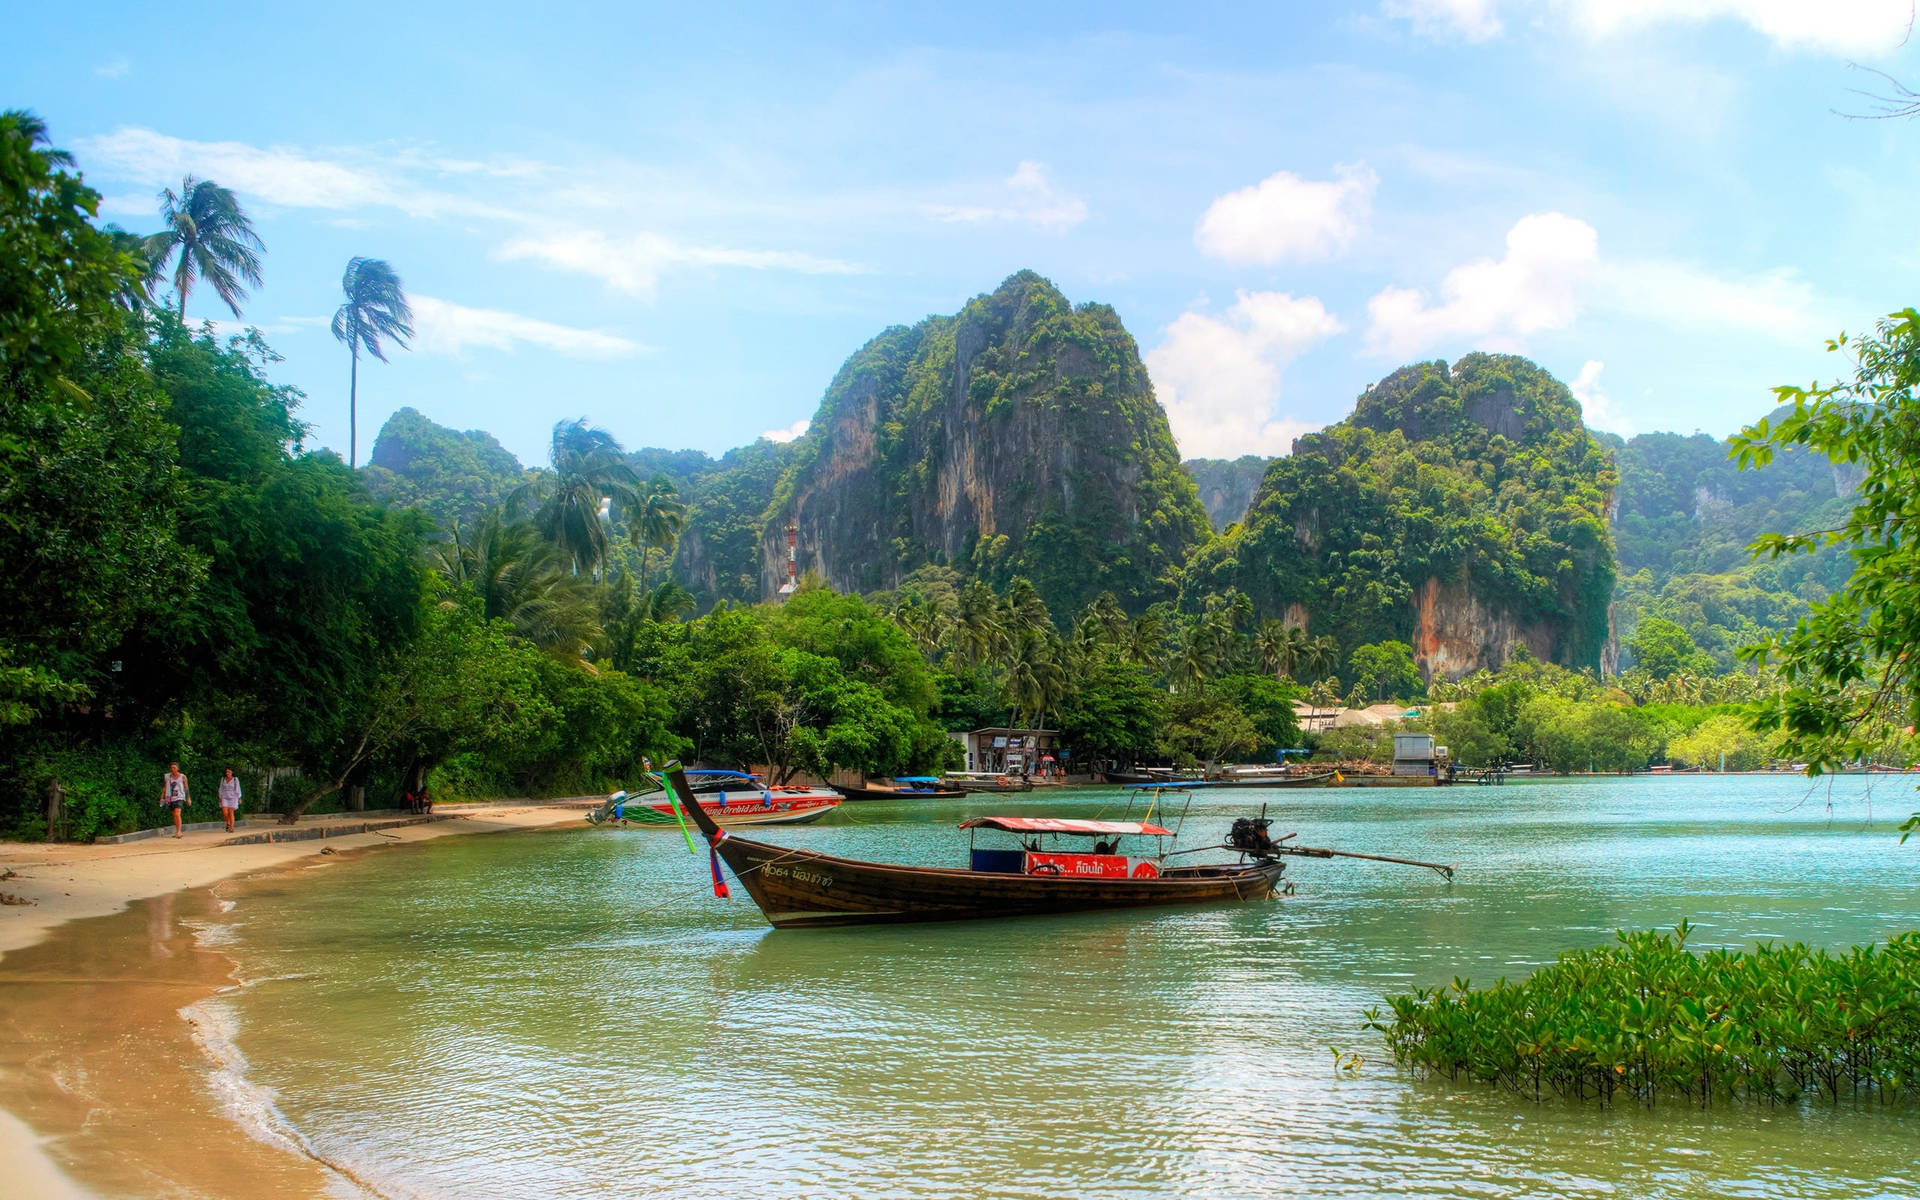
<point>1250,834</point>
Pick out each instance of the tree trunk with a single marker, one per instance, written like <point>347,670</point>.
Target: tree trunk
<point>292,815</point>
<point>353,409</point>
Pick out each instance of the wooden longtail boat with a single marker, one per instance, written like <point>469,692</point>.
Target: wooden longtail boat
<point>912,787</point>
<point>986,782</point>
<point>731,798</point>
<point>798,888</point>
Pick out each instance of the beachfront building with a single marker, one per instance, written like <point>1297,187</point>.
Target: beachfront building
<point>1011,751</point>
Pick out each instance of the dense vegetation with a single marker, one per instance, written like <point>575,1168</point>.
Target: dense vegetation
<point>1687,514</point>
<point>1479,478</point>
<point>1647,1019</point>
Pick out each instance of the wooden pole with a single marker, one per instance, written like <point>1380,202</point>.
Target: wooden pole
<point>1318,852</point>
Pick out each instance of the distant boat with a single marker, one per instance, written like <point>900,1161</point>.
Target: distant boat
<point>990,782</point>
<point>906,787</point>
<point>799,889</point>
<point>1161,775</point>
<point>731,798</point>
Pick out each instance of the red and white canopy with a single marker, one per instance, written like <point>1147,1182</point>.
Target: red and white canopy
<point>1063,825</point>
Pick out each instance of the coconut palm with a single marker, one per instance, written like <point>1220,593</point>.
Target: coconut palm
<point>978,633</point>
<point>137,286</point>
<point>1035,681</point>
<point>656,521</point>
<point>569,502</point>
<point>376,311</point>
<point>1323,655</point>
<point>522,579</point>
<point>211,238</point>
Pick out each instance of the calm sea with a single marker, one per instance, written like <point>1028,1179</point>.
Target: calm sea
<point>573,1014</point>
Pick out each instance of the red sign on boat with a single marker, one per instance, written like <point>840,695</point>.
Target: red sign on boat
<point>1091,866</point>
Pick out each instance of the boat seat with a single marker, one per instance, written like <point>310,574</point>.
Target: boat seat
<point>999,862</point>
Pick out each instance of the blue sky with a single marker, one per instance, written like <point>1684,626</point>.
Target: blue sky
<point>679,220</point>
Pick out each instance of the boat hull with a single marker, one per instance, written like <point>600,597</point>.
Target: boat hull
<point>801,889</point>
<point>741,813</point>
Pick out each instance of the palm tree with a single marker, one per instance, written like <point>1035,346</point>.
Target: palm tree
<point>136,287</point>
<point>569,502</point>
<point>1323,654</point>
<point>1035,681</point>
<point>978,633</point>
<point>655,523</point>
<point>376,310</point>
<point>213,238</point>
<point>522,579</point>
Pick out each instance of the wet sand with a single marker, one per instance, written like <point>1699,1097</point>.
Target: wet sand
<point>109,1066</point>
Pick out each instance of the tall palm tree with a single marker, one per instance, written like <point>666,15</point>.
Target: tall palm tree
<point>655,523</point>
<point>1276,648</point>
<point>569,502</point>
<point>213,239</point>
<point>376,311</point>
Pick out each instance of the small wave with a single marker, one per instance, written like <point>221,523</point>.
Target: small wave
<point>248,1104</point>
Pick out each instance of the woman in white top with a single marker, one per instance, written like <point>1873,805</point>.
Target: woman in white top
<point>229,797</point>
<point>173,794</point>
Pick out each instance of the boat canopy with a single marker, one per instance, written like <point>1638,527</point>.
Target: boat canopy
<point>729,774</point>
<point>916,779</point>
<point>1064,825</point>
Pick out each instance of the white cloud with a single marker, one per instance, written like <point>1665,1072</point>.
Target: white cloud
<point>443,327</point>
<point>1284,216</point>
<point>287,177</point>
<point>790,432</point>
<point>1857,28</point>
<point>1473,20</point>
<point>634,263</point>
<point>1219,377</point>
<point>1595,404</point>
<point>1490,303</point>
<point>1777,304</point>
<point>1845,27</point>
<point>114,68</point>
<point>1031,199</point>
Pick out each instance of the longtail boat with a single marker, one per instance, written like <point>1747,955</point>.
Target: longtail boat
<point>987,782</point>
<point>907,787</point>
<point>798,888</point>
<point>731,799</point>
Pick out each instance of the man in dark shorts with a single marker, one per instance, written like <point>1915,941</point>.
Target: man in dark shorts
<point>173,794</point>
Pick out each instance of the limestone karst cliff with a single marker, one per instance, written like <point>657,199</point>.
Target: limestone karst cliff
<point>1018,437</point>
<point>1462,509</point>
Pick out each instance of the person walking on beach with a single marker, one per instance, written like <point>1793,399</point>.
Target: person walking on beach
<point>174,795</point>
<point>229,798</point>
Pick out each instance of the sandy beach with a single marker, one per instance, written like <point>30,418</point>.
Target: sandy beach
<point>100,970</point>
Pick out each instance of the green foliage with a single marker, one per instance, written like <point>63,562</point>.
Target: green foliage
<point>1664,649</point>
<point>1113,713</point>
<point>1645,1019</point>
<point>1479,476</point>
<point>1851,677</point>
<point>1385,671</point>
<point>1724,739</point>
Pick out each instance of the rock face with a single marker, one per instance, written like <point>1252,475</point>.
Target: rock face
<point>1018,437</point>
<point>1227,485</point>
<point>453,476</point>
<point>1460,509</point>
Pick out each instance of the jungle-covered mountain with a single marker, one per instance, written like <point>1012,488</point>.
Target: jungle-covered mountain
<point>450,475</point>
<point>1460,509</point>
<point>1685,515</point>
<point>1227,485</point>
<point>1018,438</point>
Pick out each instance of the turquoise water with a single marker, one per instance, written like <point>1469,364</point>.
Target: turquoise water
<point>572,1013</point>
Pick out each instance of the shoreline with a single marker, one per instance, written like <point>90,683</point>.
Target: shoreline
<point>107,978</point>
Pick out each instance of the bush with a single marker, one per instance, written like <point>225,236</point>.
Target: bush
<point>1646,1018</point>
